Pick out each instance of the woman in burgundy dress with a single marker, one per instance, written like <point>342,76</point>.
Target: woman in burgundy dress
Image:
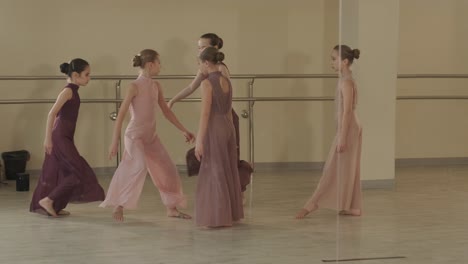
<point>66,177</point>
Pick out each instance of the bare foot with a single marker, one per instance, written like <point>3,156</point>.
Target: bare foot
<point>47,204</point>
<point>173,212</point>
<point>118,214</point>
<point>63,213</point>
<point>352,212</point>
<point>304,212</point>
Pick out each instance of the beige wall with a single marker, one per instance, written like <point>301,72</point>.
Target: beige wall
<point>372,26</point>
<point>433,39</point>
<point>260,37</point>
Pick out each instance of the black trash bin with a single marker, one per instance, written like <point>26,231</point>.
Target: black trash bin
<point>15,162</point>
<point>22,182</point>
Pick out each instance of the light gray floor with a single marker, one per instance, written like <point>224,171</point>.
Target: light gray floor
<point>424,219</point>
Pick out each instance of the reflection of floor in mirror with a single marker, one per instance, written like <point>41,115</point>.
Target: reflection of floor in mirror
<point>425,218</point>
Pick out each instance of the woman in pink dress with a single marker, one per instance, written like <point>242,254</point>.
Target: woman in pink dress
<point>144,151</point>
<point>218,201</point>
<point>340,185</point>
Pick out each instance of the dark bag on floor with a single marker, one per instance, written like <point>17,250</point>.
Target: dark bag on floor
<point>245,173</point>
<point>193,165</point>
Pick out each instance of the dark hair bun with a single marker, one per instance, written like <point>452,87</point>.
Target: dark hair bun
<point>219,57</point>
<point>356,53</point>
<point>137,61</point>
<point>65,68</point>
<point>220,43</point>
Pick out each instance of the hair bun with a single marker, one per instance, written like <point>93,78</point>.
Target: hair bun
<point>219,57</point>
<point>220,43</point>
<point>137,61</point>
<point>356,53</point>
<point>65,68</point>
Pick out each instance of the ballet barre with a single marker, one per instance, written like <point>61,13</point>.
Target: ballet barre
<point>233,76</point>
<point>236,99</point>
<point>171,77</point>
<point>251,99</point>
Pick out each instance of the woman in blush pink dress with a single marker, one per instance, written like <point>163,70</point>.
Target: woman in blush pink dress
<point>340,185</point>
<point>144,151</point>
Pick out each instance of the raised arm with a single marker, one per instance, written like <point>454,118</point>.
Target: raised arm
<point>189,89</point>
<point>224,70</point>
<point>204,117</point>
<point>62,98</point>
<point>132,92</point>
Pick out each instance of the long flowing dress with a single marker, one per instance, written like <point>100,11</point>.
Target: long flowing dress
<point>340,185</point>
<point>218,193</point>
<point>66,177</point>
<point>144,153</point>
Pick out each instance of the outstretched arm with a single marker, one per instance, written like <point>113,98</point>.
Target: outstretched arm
<point>132,92</point>
<point>171,116</point>
<point>224,70</point>
<point>62,98</point>
<point>189,89</point>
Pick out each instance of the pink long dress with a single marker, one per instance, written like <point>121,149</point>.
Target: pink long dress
<point>144,153</point>
<point>340,185</point>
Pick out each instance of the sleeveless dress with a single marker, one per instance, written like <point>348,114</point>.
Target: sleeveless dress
<point>144,153</point>
<point>66,177</point>
<point>218,199</point>
<point>340,185</point>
